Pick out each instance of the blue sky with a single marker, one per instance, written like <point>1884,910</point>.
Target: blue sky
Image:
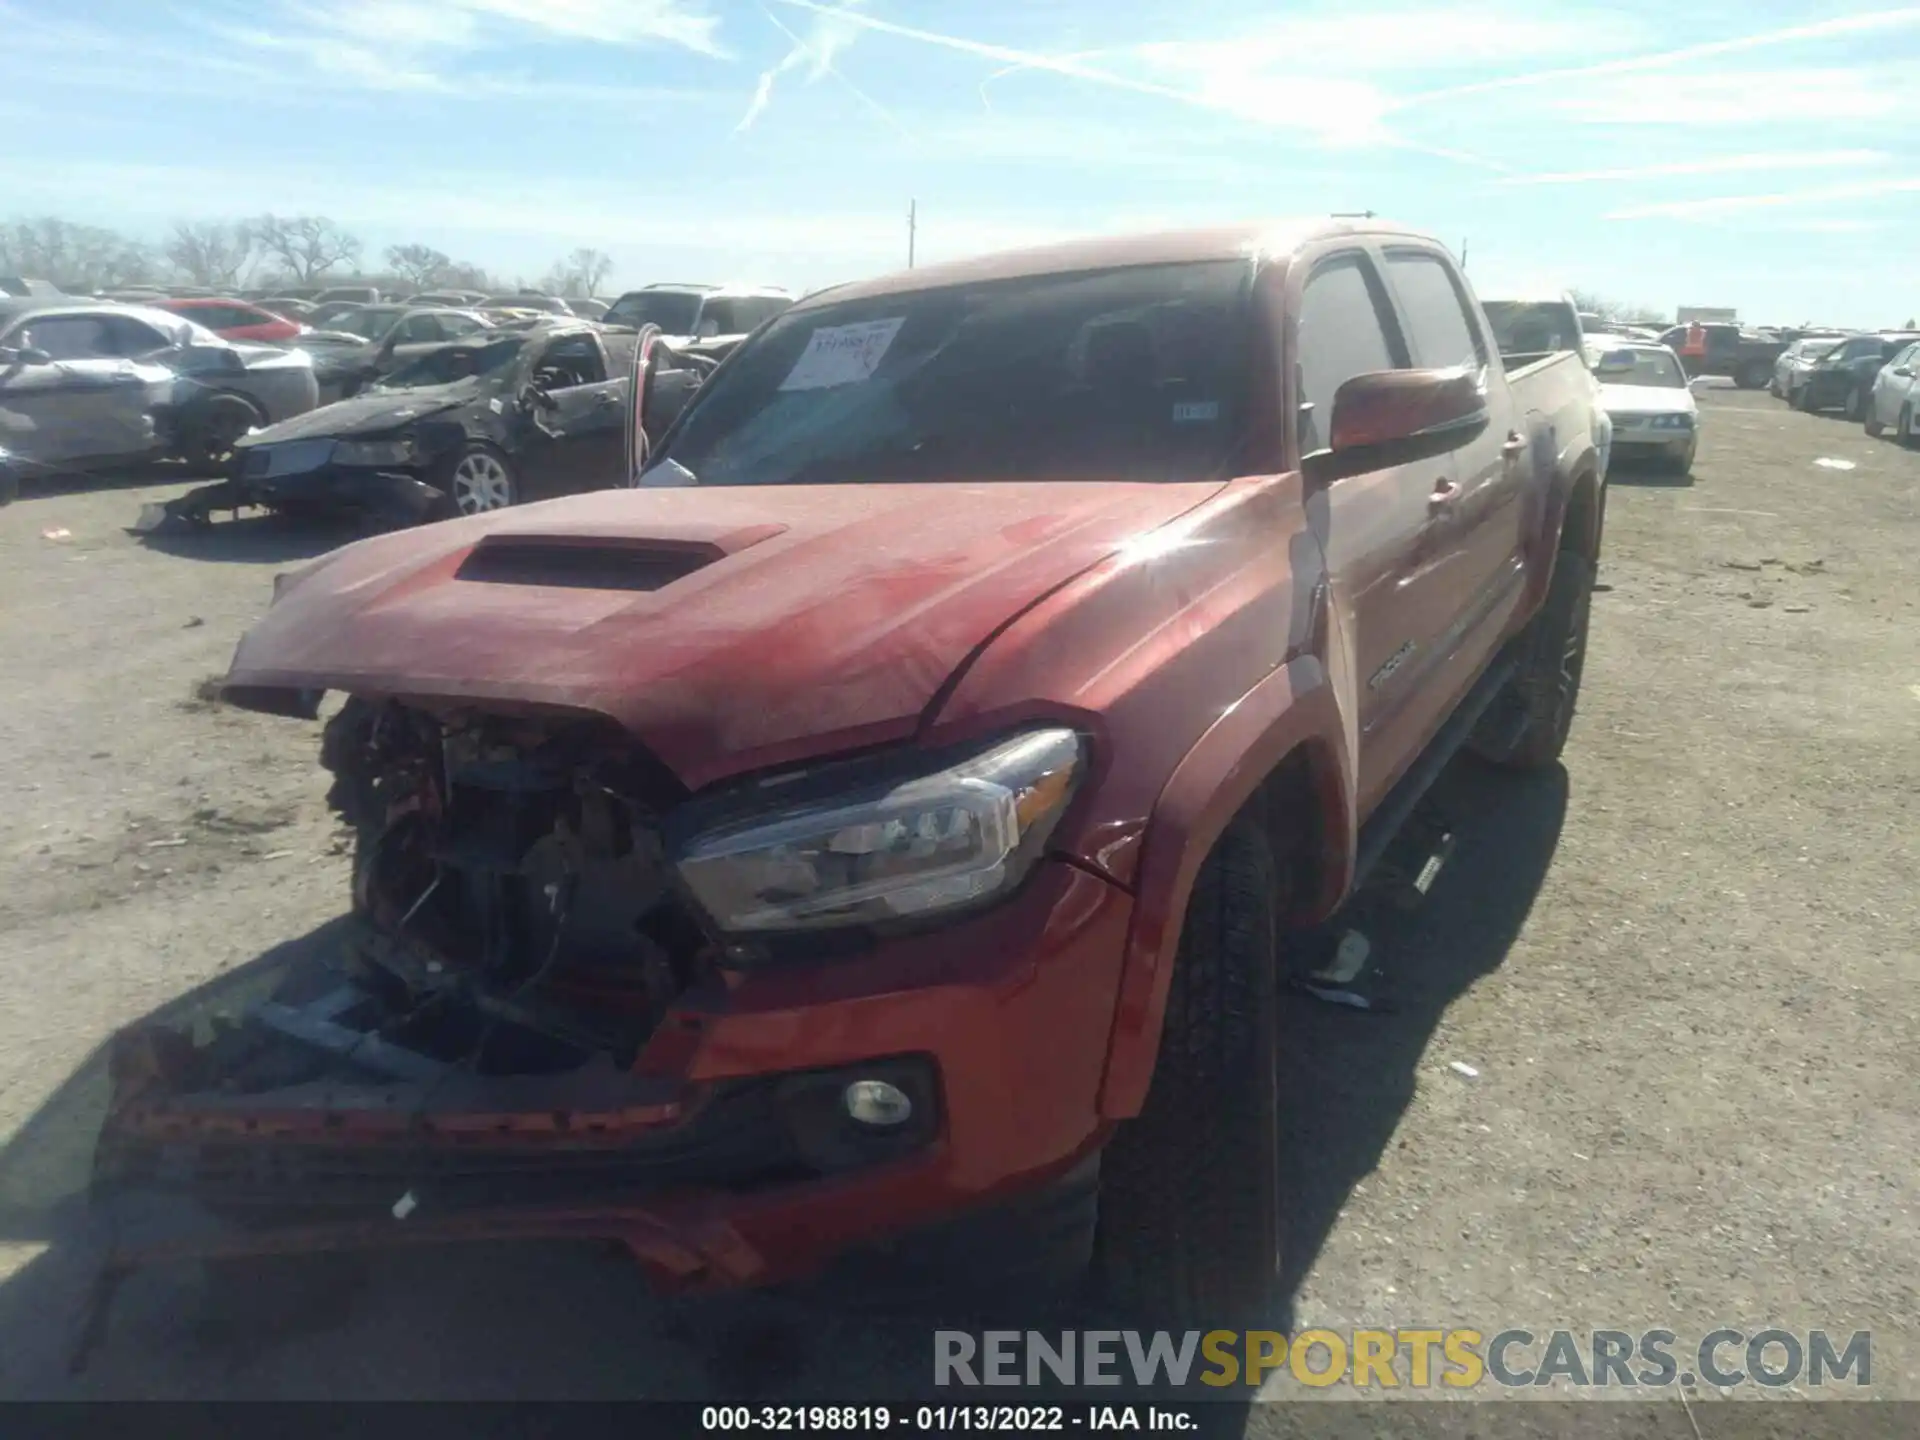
<point>1747,154</point>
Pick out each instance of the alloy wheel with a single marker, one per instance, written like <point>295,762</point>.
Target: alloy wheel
<point>481,483</point>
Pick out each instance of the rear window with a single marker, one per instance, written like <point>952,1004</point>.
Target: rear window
<point>1135,374</point>
<point>676,312</point>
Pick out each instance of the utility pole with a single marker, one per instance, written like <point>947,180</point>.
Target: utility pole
<point>1463,252</point>
<point>913,207</point>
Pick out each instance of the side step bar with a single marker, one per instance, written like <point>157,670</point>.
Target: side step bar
<point>1401,801</point>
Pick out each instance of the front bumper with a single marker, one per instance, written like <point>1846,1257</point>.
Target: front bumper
<point>1637,437</point>
<point>394,497</point>
<point>694,1160</point>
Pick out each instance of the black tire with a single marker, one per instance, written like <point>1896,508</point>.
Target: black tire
<point>1189,1231</point>
<point>1853,406</point>
<point>1870,421</point>
<point>1903,428</point>
<point>1533,720</point>
<point>210,425</point>
<point>1754,375</point>
<point>1803,400</point>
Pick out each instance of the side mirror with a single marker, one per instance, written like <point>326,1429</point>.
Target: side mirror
<point>1396,417</point>
<point>27,355</point>
<point>1903,370</point>
<point>1615,362</point>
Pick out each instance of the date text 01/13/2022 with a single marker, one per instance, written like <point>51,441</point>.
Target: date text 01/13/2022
<point>942,1419</point>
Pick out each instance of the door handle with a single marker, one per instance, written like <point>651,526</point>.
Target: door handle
<point>1444,493</point>
<point>604,401</point>
<point>1515,445</point>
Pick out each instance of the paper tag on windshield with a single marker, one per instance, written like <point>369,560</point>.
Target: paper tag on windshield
<point>842,354</point>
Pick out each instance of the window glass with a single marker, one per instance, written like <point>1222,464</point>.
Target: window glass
<point>1342,334</point>
<point>568,361</point>
<point>1442,334</point>
<point>68,337</point>
<point>1128,374</point>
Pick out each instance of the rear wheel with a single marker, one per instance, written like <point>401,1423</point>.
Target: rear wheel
<point>1853,405</point>
<point>1754,375</point>
<point>1536,716</point>
<point>211,425</point>
<point>1903,428</point>
<point>1189,1227</point>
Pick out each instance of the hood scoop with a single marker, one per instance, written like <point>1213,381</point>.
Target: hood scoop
<point>562,562</point>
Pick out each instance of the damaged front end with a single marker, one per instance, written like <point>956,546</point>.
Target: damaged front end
<point>502,1044</point>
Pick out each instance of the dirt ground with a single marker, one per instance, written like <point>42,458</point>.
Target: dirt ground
<point>1683,968</point>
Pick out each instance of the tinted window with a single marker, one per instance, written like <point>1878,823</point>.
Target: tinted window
<point>453,326</point>
<point>1135,374</point>
<point>1343,333</point>
<point>1531,328</point>
<point>420,329</point>
<point>1441,335</point>
<point>133,338</point>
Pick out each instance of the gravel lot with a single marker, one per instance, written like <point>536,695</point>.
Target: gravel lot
<point>1684,970</point>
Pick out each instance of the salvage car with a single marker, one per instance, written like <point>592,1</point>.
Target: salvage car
<point>1895,391</point>
<point>1842,379</point>
<point>234,319</point>
<point>893,821</point>
<point>85,385</point>
<point>1790,370</point>
<point>532,303</point>
<point>358,347</point>
<point>1644,390</point>
<point>463,428</point>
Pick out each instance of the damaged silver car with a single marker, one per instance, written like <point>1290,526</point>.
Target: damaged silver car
<point>86,385</point>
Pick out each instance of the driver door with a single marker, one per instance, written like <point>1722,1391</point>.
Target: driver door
<point>87,402</point>
<point>577,440</point>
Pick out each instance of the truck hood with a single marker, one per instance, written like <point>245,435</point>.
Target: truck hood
<point>727,629</point>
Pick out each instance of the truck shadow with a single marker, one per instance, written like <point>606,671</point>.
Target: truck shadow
<point>1347,1077</point>
<point>573,1321</point>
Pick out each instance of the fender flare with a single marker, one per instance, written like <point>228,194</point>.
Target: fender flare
<point>1294,709</point>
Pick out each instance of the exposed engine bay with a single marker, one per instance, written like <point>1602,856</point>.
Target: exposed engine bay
<point>515,937</point>
<point>520,916</point>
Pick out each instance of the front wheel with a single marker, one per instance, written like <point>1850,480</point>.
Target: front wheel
<point>213,425</point>
<point>1535,717</point>
<point>1870,422</point>
<point>1189,1223</point>
<point>480,479</point>
<point>1853,405</point>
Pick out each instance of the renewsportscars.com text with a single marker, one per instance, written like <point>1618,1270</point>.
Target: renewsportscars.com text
<point>1415,1359</point>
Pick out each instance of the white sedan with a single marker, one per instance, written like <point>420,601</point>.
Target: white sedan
<point>1644,389</point>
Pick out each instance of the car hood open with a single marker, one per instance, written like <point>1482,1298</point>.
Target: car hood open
<point>725,628</point>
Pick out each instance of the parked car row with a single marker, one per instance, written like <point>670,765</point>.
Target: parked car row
<point>1837,373</point>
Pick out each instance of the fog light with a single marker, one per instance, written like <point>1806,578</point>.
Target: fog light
<point>878,1103</point>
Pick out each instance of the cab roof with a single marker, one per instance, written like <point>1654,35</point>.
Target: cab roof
<point>1271,241</point>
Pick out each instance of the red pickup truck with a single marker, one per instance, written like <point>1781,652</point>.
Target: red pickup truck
<point>888,819</point>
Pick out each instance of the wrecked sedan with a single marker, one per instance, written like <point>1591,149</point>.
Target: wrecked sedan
<point>889,816</point>
<point>354,349</point>
<point>87,385</point>
<point>464,427</point>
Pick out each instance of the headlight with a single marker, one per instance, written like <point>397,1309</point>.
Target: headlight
<point>373,452</point>
<point>1673,422</point>
<point>855,844</point>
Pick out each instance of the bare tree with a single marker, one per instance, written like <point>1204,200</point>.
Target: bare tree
<point>75,257</point>
<point>421,266</point>
<point>1625,313</point>
<point>210,252</point>
<point>307,245</point>
<point>581,273</point>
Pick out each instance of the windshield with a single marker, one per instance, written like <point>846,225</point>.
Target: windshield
<point>1523,327</point>
<point>454,363</point>
<point>674,311</point>
<point>1814,349</point>
<point>1655,368</point>
<point>1134,374</point>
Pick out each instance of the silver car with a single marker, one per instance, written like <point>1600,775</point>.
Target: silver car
<point>1896,392</point>
<point>82,385</point>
